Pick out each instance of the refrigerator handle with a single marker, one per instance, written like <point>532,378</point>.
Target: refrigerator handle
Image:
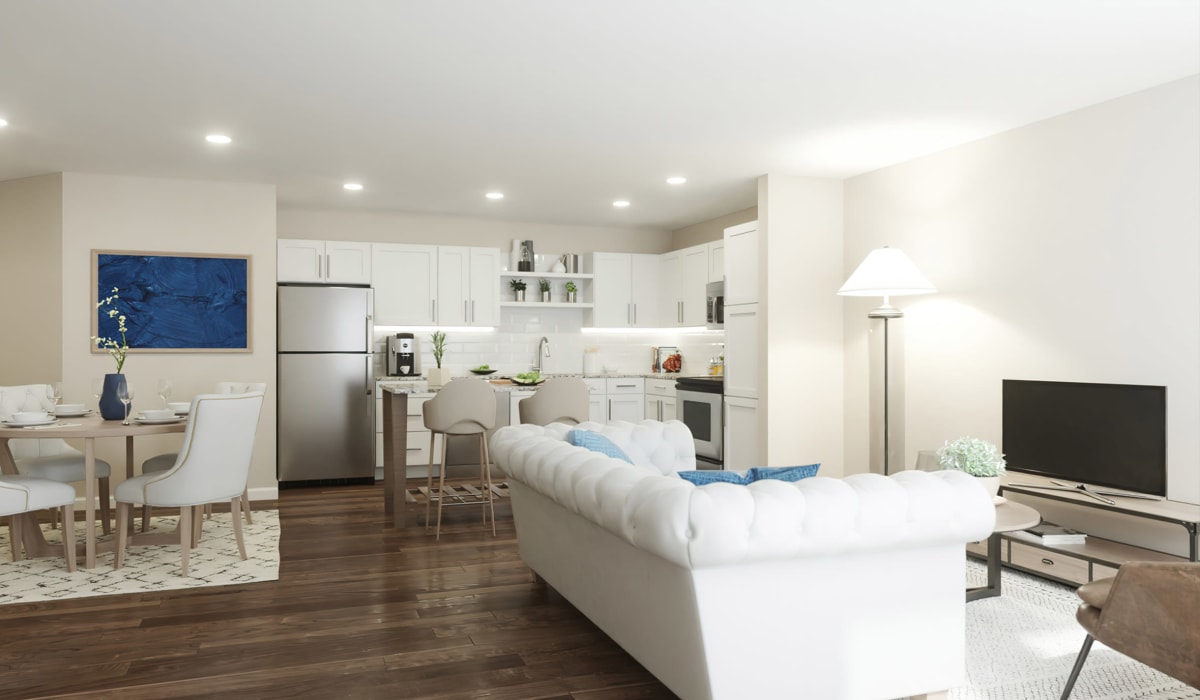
<point>367,383</point>
<point>369,333</point>
<point>433,310</point>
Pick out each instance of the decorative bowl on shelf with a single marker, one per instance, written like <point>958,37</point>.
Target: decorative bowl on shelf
<point>482,371</point>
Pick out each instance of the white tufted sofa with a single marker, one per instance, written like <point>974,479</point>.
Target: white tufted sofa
<point>823,589</point>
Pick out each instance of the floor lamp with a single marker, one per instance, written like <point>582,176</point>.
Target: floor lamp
<point>886,272</point>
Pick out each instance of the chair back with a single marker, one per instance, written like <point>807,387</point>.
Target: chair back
<point>241,387</point>
<point>31,397</point>
<point>214,461</point>
<point>465,406</point>
<point>559,400</point>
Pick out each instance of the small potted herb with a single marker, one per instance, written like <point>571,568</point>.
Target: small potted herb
<point>518,287</point>
<point>571,291</point>
<point>438,376</point>
<point>976,457</point>
<point>544,288</point>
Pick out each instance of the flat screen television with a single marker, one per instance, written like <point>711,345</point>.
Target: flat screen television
<point>1111,435</point>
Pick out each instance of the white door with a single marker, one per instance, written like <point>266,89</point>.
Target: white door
<point>741,351</point>
<point>405,281</point>
<point>668,409</point>
<point>453,285</point>
<point>741,433</point>
<point>741,264</point>
<point>644,290</point>
<point>300,261</point>
<point>484,283</point>
<point>347,262</point>
<point>627,407</point>
<point>612,287</point>
<point>693,295</point>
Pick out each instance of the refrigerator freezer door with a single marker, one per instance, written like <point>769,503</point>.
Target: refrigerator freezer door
<point>324,319</point>
<point>326,426</point>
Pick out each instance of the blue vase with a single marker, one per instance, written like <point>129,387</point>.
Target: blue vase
<point>111,407</point>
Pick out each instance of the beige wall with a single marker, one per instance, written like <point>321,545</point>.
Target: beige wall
<point>140,214</point>
<point>711,230</point>
<point>1065,250</point>
<point>386,227</point>
<point>800,375</point>
<point>30,228</point>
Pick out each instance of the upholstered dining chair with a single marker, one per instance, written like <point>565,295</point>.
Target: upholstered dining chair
<point>163,462</point>
<point>212,467</point>
<point>21,494</point>
<point>1149,611</point>
<point>51,458</point>
<point>465,406</point>
<point>559,400</point>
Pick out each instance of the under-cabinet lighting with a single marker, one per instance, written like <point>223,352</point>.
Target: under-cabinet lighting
<point>689,330</point>
<point>430,329</point>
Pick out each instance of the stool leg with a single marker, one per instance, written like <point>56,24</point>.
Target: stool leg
<point>487,466</point>
<point>441,487</point>
<point>482,476</point>
<point>246,506</point>
<point>429,477</point>
<point>1083,652</point>
<point>68,535</point>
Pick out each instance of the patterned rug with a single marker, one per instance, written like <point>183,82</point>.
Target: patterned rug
<point>147,568</point>
<point>1022,645</point>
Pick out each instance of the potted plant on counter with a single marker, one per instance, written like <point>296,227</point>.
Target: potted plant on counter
<point>979,458</point>
<point>571,291</point>
<point>544,288</point>
<point>518,287</point>
<point>436,375</point>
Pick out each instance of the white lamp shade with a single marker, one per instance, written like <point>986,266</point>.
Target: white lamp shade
<point>886,272</point>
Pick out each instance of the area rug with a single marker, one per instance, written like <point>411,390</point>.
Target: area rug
<point>147,568</point>
<point>1022,645</point>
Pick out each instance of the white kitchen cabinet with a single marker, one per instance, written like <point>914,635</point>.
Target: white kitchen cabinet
<point>597,399</point>
<point>467,292</point>
<point>684,277</point>
<point>741,351</point>
<point>625,289</point>
<point>418,437</point>
<point>716,261</point>
<point>741,264</point>
<point>405,280</point>
<point>741,433</point>
<point>625,399</point>
<point>660,399</point>
<point>515,397</point>
<point>323,262</point>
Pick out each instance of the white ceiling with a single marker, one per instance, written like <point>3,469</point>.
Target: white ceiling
<point>564,105</point>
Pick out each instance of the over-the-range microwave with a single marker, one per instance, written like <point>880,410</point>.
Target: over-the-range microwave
<point>716,305</point>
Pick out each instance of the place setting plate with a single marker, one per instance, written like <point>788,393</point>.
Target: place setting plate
<point>73,414</point>
<point>33,424</point>
<point>141,420</point>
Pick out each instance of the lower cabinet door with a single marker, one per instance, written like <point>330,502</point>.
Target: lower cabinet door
<point>627,408</point>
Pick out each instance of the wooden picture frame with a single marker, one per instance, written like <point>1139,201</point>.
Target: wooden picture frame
<point>173,302</point>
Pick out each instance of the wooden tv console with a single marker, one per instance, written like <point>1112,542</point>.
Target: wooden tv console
<point>1097,558</point>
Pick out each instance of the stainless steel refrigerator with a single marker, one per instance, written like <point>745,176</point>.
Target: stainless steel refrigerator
<point>326,383</point>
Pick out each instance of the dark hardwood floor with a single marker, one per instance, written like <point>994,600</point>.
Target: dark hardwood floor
<point>359,611</point>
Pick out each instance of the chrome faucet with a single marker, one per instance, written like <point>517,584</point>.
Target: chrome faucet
<point>542,351</point>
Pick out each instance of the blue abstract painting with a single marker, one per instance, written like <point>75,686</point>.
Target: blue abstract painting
<point>175,302</point>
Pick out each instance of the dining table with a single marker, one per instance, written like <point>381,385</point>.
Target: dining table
<point>86,428</point>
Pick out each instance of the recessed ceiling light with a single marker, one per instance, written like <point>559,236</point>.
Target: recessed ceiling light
<point>495,195</point>
<point>620,204</point>
<point>352,186</point>
<point>3,122</point>
<point>218,138</point>
<point>676,180</point>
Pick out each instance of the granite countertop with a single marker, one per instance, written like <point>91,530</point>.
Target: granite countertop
<point>396,385</point>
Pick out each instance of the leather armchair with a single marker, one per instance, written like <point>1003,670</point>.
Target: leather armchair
<point>1150,611</point>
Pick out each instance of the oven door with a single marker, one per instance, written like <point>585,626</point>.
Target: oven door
<point>702,413</point>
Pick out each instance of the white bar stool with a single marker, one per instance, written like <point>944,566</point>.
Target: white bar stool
<point>465,406</point>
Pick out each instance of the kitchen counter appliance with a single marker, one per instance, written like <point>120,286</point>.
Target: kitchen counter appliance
<point>715,315</point>
<point>700,407</point>
<point>326,422</point>
<point>402,355</point>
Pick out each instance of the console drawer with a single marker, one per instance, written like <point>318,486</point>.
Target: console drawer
<point>1102,571</point>
<point>979,547</point>
<point>1055,564</point>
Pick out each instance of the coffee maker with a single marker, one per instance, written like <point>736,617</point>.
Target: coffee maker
<point>402,355</point>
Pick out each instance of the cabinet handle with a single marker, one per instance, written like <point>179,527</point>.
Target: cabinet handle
<point>1047,561</point>
<point>629,314</point>
<point>626,386</point>
<point>472,311</point>
<point>328,266</point>
<point>635,314</point>
<point>466,316</point>
<point>433,309</point>
<point>320,262</point>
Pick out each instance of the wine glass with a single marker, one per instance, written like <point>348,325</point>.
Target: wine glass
<point>164,390</point>
<point>97,389</point>
<point>125,394</point>
<point>54,393</point>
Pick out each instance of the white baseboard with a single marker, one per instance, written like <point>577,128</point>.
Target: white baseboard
<point>264,493</point>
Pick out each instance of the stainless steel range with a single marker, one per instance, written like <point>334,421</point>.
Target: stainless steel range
<point>700,407</point>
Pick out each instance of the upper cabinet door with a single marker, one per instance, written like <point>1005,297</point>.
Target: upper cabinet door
<point>670,309</point>
<point>612,288</point>
<point>645,290</point>
<point>300,261</point>
<point>405,281</point>
<point>347,262</point>
<point>741,264</point>
<point>453,285</point>
<point>485,294</point>
<point>693,295</point>
<point>716,261</point>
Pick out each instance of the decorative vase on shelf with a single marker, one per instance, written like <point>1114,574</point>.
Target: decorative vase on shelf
<point>519,294</point>
<point>111,407</point>
<point>571,297</point>
<point>545,296</point>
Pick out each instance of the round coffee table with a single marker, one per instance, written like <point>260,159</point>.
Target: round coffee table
<point>1009,517</point>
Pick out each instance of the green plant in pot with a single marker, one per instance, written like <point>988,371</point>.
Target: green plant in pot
<point>571,290</point>
<point>438,376</point>
<point>976,457</point>
<point>544,288</point>
<point>518,287</point>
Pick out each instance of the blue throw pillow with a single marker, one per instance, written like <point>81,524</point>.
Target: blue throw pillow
<point>596,443</point>
<point>713,476</point>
